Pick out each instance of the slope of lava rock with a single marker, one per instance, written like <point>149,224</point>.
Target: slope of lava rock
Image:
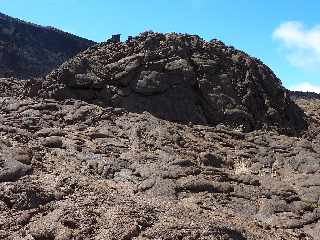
<point>304,95</point>
<point>180,78</point>
<point>95,157</point>
<point>29,50</point>
<point>74,170</point>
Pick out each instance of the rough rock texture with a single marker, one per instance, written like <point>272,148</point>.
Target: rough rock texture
<point>82,171</point>
<point>304,95</point>
<point>179,78</point>
<point>74,169</point>
<point>29,50</point>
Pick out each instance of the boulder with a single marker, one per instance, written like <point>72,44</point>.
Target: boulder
<point>12,170</point>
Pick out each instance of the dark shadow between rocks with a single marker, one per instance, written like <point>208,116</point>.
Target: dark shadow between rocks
<point>226,233</point>
<point>186,105</point>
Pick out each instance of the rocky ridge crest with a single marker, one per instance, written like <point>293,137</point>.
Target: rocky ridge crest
<point>179,78</point>
<point>29,50</point>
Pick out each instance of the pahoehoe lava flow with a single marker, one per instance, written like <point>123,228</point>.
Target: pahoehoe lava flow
<point>181,78</point>
<point>164,136</point>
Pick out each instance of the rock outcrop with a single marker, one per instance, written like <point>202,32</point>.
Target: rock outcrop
<point>95,157</point>
<point>304,95</point>
<point>74,170</point>
<point>29,50</point>
<point>180,78</point>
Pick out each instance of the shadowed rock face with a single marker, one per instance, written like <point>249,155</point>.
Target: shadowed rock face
<point>179,78</point>
<point>29,50</point>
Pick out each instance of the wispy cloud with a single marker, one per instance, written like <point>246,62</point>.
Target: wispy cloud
<point>306,87</point>
<point>302,44</point>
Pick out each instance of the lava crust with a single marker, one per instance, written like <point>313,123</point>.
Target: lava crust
<point>179,78</point>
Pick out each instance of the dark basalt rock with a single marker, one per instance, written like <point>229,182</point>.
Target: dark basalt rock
<point>29,50</point>
<point>304,95</point>
<point>179,78</point>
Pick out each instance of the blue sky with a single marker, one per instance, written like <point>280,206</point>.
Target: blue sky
<point>285,34</point>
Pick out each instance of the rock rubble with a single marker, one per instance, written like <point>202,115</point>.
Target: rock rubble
<point>165,136</point>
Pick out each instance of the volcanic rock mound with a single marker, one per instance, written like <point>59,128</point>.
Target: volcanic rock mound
<point>74,169</point>
<point>180,78</point>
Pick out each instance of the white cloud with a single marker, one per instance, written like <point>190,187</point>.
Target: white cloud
<point>306,87</point>
<point>302,44</point>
